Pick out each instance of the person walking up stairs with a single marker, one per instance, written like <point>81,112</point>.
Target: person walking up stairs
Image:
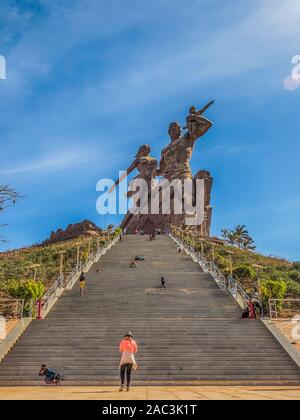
<point>128,348</point>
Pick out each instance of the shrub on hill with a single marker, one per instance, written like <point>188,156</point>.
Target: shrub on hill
<point>294,275</point>
<point>278,277</point>
<point>16,266</point>
<point>29,290</point>
<point>273,289</point>
<point>293,289</point>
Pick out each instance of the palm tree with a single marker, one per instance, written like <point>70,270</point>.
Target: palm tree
<point>239,236</point>
<point>229,236</point>
<point>248,244</point>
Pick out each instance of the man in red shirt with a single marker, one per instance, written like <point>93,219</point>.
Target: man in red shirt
<point>128,348</point>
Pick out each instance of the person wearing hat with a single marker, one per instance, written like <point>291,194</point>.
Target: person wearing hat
<point>128,348</point>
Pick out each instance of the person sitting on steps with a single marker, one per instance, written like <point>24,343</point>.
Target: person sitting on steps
<point>163,282</point>
<point>140,258</point>
<point>132,264</point>
<point>51,377</point>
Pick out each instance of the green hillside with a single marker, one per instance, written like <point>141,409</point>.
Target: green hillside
<point>278,277</point>
<point>16,265</point>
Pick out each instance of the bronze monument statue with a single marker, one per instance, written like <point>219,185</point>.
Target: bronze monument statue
<point>175,158</point>
<point>147,168</point>
<point>174,165</point>
<point>145,164</point>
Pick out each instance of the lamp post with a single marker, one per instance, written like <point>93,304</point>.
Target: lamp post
<point>78,254</point>
<point>213,251</point>
<point>258,268</point>
<point>230,253</point>
<point>195,233</point>
<point>34,267</point>
<point>205,224</point>
<point>61,262</point>
<point>202,248</point>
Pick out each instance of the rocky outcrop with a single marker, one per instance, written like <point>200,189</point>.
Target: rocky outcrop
<point>86,227</point>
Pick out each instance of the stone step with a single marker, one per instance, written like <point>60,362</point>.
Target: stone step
<point>182,376</point>
<point>105,364</point>
<point>156,358</point>
<point>190,333</point>
<point>176,374</point>
<point>160,382</point>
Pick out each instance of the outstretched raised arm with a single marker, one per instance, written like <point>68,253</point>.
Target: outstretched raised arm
<point>203,125</point>
<point>124,175</point>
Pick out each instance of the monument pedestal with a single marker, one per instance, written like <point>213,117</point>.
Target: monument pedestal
<point>149,222</point>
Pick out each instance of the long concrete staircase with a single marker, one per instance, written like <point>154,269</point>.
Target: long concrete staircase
<point>189,333</point>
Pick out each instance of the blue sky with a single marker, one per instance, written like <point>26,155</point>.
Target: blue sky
<point>89,81</point>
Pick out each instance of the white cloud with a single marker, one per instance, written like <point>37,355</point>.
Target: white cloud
<point>258,42</point>
<point>59,161</point>
<point>170,61</point>
<point>234,149</point>
<point>291,84</point>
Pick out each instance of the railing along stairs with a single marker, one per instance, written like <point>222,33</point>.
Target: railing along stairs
<point>64,284</point>
<point>229,284</point>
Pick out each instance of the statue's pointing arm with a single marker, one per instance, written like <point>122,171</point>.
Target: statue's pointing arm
<point>203,125</point>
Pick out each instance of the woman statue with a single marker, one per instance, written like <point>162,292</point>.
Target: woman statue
<point>146,166</point>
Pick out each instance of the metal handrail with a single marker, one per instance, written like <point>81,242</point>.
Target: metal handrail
<point>229,284</point>
<point>285,299</point>
<point>57,284</point>
<point>217,274</point>
<point>236,290</point>
<point>207,266</point>
<point>72,273</point>
<point>60,284</point>
<point>3,300</point>
<point>273,301</point>
<point>10,302</point>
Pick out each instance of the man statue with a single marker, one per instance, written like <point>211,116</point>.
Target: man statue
<point>175,158</point>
